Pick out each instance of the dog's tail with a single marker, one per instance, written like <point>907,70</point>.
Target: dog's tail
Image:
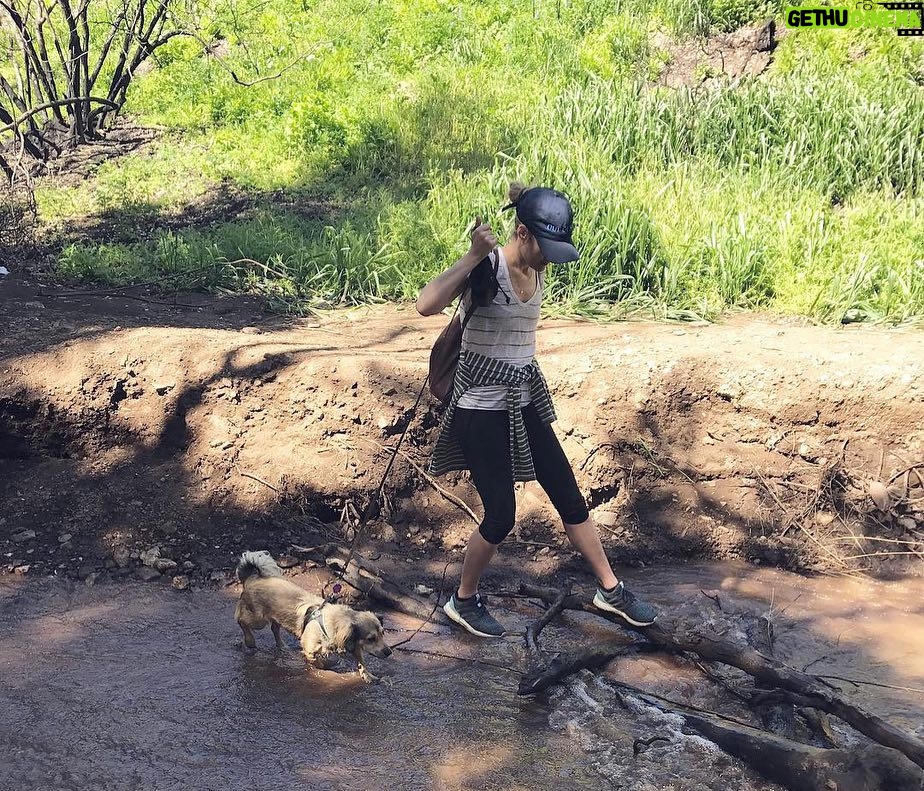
<point>260,563</point>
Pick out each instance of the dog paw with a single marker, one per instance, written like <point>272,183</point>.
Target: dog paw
<point>367,676</point>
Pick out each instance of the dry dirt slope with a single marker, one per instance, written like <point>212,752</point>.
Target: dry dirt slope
<point>128,425</point>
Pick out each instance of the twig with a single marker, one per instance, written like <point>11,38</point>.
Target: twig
<point>258,480</point>
<point>881,554</point>
<point>715,598</point>
<point>535,628</point>
<point>859,682</point>
<point>460,659</point>
<point>908,469</point>
<point>448,495</point>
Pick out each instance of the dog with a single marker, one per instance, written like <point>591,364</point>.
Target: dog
<point>322,629</point>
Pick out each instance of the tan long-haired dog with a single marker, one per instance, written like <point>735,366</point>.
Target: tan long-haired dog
<point>322,628</point>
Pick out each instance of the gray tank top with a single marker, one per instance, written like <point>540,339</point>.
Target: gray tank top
<point>504,331</point>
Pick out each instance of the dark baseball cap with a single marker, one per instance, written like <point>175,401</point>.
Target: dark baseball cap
<point>548,215</point>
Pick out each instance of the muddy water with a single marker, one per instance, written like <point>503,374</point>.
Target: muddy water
<point>142,687</point>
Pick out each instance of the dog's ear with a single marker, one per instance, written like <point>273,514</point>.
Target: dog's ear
<point>349,645</point>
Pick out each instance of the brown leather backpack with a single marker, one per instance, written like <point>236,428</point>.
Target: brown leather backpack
<point>444,356</point>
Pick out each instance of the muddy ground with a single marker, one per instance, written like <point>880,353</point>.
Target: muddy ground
<point>152,436</point>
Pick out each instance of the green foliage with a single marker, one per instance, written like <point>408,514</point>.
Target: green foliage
<point>797,191</point>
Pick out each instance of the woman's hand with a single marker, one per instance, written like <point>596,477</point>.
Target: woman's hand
<point>483,240</point>
<point>446,286</point>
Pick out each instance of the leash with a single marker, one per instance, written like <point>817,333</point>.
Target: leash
<point>333,587</point>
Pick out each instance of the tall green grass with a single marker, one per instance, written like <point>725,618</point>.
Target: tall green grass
<point>799,191</point>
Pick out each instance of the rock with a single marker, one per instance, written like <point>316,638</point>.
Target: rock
<point>23,569</point>
<point>64,538</point>
<point>824,518</point>
<point>85,571</point>
<point>607,518</point>
<point>147,574</point>
<point>387,533</point>
<point>763,41</point>
<point>121,557</point>
<point>162,388</point>
<point>91,579</point>
<point>251,330</point>
<point>168,528</point>
<point>907,523</point>
<point>188,565</point>
<point>151,556</point>
<point>390,392</point>
<point>286,562</point>
<point>217,576</point>
<point>180,582</point>
<point>423,590</point>
<point>23,535</point>
<point>879,494</point>
<point>164,564</point>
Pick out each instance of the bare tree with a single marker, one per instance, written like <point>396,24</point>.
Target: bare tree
<point>70,66</point>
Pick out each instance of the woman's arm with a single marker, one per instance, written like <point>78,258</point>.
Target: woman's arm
<point>447,285</point>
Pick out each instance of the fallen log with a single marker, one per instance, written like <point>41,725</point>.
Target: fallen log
<point>372,583</point>
<point>869,767</point>
<point>811,690</point>
<point>544,676</point>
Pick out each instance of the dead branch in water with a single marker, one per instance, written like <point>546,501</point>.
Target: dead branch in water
<point>373,584</point>
<point>813,691</point>
<point>794,765</point>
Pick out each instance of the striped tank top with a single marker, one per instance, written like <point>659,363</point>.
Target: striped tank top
<point>504,330</point>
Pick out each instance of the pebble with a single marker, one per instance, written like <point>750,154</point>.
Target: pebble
<point>23,535</point>
<point>150,556</point>
<point>147,574</point>
<point>181,582</point>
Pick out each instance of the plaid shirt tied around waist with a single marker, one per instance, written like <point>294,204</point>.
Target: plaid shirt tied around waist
<point>476,370</point>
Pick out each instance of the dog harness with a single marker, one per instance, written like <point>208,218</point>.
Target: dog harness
<point>315,614</point>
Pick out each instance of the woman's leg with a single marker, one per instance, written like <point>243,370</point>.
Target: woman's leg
<point>478,555</point>
<point>557,478</point>
<point>483,436</point>
<point>554,473</point>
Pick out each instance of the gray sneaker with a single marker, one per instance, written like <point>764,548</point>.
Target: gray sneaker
<point>623,603</point>
<point>472,614</point>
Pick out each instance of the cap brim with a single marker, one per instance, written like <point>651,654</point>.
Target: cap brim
<point>558,252</point>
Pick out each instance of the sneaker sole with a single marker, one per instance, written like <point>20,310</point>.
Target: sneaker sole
<point>453,614</point>
<point>601,604</point>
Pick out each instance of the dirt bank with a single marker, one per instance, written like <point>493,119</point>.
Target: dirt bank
<point>130,424</point>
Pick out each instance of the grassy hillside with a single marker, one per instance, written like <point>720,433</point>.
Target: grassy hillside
<point>801,190</point>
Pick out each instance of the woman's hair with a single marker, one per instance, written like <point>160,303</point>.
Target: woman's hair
<point>516,189</point>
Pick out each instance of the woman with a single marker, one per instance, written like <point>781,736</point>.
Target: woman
<point>498,423</point>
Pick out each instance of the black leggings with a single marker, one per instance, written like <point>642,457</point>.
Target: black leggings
<point>485,439</point>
